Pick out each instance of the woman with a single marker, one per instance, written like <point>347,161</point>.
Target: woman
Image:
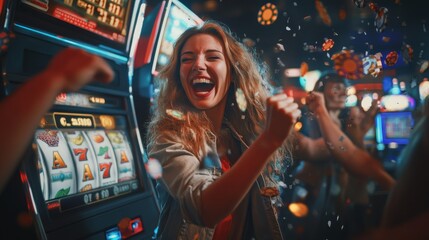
<point>215,141</point>
<point>336,167</point>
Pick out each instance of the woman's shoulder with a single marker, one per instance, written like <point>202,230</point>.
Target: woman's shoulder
<point>165,141</point>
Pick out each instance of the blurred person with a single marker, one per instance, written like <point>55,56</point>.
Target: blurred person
<point>224,145</point>
<point>21,112</point>
<point>326,151</point>
<point>357,162</point>
<point>344,150</point>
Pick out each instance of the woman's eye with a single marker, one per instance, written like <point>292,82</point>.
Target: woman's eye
<point>185,59</point>
<point>213,57</point>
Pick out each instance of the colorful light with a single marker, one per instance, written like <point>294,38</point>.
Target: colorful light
<point>309,80</point>
<point>395,102</point>
<point>424,89</point>
<point>366,102</point>
<point>298,209</point>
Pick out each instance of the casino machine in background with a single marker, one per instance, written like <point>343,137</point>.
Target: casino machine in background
<point>84,176</point>
<point>163,24</point>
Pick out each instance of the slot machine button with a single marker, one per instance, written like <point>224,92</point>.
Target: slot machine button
<point>130,227</point>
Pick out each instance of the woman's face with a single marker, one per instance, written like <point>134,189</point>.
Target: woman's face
<point>335,95</point>
<point>203,71</point>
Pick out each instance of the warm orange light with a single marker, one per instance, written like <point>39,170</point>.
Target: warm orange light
<point>108,122</point>
<point>298,209</point>
<point>298,126</point>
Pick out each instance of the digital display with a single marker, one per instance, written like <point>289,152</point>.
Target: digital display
<point>179,19</point>
<point>83,159</point>
<point>86,100</point>
<point>394,127</point>
<point>398,127</point>
<point>107,18</point>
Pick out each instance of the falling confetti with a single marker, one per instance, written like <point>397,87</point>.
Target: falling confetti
<point>279,48</point>
<point>323,13</point>
<point>154,168</point>
<point>407,53</point>
<point>241,99</point>
<point>360,3</point>
<point>178,115</point>
<point>304,68</point>
<point>424,66</point>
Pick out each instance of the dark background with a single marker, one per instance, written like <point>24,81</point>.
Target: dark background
<point>407,24</point>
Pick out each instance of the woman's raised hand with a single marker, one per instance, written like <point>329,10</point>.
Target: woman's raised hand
<point>282,114</point>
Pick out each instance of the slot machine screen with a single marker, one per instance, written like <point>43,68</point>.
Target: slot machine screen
<point>84,159</point>
<point>176,21</point>
<point>394,127</point>
<point>99,22</point>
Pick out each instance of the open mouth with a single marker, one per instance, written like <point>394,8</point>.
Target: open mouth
<point>202,86</point>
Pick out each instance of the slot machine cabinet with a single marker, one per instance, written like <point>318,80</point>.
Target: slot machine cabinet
<point>393,132</point>
<point>162,26</point>
<point>83,177</point>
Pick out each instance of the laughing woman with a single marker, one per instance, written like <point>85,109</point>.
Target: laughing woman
<point>220,140</point>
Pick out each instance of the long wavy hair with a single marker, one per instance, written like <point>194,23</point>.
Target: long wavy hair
<point>195,128</point>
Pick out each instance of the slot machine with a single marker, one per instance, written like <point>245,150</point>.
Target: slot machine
<point>162,26</point>
<point>395,121</point>
<point>84,175</point>
<point>393,131</point>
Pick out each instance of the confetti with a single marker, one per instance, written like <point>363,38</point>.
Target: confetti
<point>178,115</point>
<point>407,53</point>
<point>241,99</point>
<point>303,68</point>
<point>424,66</point>
<point>154,168</point>
<point>323,13</point>
<point>360,3</point>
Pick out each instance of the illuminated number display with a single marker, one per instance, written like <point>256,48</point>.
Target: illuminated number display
<point>108,18</point>
<point>74,120</point>
<point>110,13</point>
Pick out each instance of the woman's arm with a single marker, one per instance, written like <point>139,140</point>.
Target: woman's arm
<point>224,195</point>
<point>353,159</point>
<point>21,112</point>
<point>308,149</point>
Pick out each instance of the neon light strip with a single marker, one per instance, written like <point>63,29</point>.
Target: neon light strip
<point>74,43</point>
<point>378,129</point>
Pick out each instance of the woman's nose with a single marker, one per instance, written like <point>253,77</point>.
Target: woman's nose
<point>199,64</point>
